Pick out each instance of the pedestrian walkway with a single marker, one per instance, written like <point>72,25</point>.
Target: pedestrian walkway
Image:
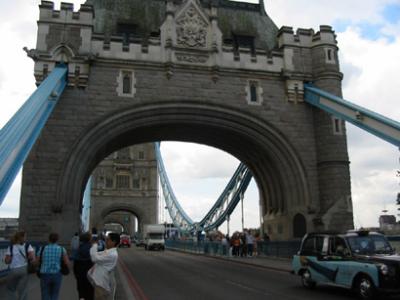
<point>68,287</point>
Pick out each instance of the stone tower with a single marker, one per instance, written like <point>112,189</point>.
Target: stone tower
<point>214,72</point>
<point>125,184</point>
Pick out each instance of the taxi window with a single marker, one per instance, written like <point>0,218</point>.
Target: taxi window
<point>313,245</point>
<point>338,247</point>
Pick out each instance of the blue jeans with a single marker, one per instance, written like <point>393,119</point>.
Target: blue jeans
<point>50,285</point>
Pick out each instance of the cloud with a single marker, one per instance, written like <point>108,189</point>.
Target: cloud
<point>182,161</point>
<point>299,13</point>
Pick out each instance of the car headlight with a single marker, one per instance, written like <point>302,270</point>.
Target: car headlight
<point>384,269</point>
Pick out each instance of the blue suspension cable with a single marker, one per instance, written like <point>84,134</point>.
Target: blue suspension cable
<point>20,133</point>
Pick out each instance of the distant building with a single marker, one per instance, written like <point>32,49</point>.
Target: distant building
<point>387,222</point>
<point>8,226</point>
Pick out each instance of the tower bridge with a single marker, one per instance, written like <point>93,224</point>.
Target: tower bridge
<point>219,73</point>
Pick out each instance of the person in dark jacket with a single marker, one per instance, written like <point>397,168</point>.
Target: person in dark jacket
<point>82,264</point>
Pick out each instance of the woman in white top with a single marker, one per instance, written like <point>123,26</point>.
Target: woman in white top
<point>101,275</point>
<point>17,257</point>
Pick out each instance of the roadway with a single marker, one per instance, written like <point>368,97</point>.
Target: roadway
<point>178,276</point>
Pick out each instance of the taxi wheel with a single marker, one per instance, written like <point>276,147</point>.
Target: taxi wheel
<point>306,280</point>
<point>365,288</point>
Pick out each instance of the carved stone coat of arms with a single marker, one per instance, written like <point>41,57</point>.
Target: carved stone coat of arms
<point>191,29</point>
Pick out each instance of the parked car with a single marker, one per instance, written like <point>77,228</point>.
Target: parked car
<point>125,241</point>
<point>359,260</point>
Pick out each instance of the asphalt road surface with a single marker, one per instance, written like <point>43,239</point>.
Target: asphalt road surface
<point>178,276</point>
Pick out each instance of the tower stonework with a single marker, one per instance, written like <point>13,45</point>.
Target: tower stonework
<point>212,72</point>
<point>125,184</point>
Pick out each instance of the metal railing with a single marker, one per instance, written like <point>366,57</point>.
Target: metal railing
<point>284,249</point>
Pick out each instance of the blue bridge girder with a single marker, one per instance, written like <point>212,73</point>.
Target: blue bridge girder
<point>221,210</point>
<point>20,133</point>
<point>381,126</point>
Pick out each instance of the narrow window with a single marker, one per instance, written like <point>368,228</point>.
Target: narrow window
<point>253,92</point>
<point>45,71</point>
<point>136,183</point>
<point>329,54</point>
<point>127,84</point>
<point>141,154</point>
<point>109,183</point>
<point>337,126</point>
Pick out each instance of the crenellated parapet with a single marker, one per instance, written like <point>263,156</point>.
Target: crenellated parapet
<point>190,34</point>
<point>64,36</point>
<point>307,55</point>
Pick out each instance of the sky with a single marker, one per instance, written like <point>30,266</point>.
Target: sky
<point>368,32</point>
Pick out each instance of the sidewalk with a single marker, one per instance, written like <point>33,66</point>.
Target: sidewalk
<point>68,287</point>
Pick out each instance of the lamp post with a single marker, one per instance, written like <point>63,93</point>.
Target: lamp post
<point>241,201</point>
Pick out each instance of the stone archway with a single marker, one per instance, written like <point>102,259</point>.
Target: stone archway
<point>277,168</point>
<point>299,226</point>
<point>100,217</point>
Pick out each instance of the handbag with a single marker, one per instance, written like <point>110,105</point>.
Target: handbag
<point>40,262</point>
<point>64,269</point>
<point>32,267</point>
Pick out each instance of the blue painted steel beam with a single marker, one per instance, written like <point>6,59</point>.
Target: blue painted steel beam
<point>244,183</point>
<point>169,193</point>
<point>219,212</point>
<point>381,126</point>
<point>20,133</point>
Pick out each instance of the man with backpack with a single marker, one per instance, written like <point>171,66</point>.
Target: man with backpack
<point>17,257</point>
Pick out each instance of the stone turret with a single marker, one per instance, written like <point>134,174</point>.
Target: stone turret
<point>64,36</point>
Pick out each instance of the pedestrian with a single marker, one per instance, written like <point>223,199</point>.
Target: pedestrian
<point>225,245</point>
<point>51,257</point>
<point>101,275</point>
<point>243,245</point>
<point>74,245</point>
<point>235,241</point>
<point>17,257</point>
<point>250,243</point>
<point>82,265</point>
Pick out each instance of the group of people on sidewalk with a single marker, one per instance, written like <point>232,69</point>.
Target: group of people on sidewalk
<point>93,269</point>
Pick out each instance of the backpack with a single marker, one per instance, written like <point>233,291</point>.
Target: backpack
<point>31,267</point>
<point>26,251</point>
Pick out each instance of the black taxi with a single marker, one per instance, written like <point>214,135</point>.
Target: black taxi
<point>360,260</point>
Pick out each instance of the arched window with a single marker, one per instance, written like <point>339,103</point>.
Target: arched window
<point>299,226</point>
<point>253,92</point>
<point>127,84</point>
